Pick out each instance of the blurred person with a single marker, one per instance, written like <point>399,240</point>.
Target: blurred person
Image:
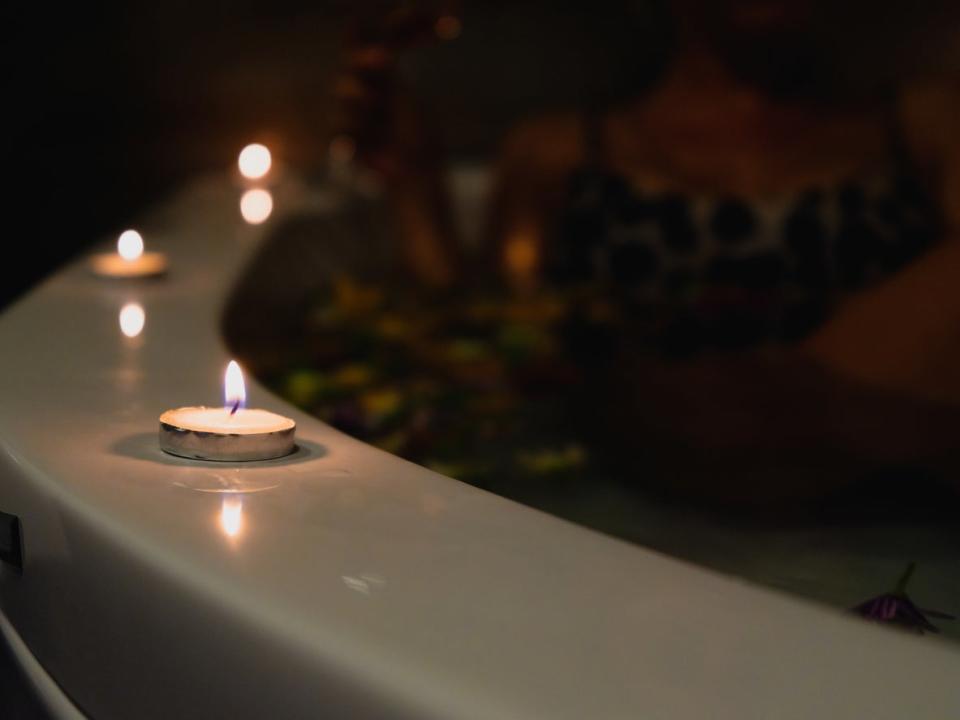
<point>774,222</point>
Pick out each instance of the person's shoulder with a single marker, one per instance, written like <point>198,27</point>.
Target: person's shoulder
<point>930,113</point>
<point>932,95</point>
<point>549,144</point>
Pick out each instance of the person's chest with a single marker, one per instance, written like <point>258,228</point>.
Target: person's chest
<point>700,150</point>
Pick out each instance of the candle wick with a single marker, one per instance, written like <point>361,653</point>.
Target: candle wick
<point>236,406</point>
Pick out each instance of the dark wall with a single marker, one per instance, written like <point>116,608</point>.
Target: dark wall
<point>63,131</point>
<point>106,108</point>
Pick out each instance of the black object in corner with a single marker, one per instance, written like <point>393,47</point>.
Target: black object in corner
<point>11,543</point>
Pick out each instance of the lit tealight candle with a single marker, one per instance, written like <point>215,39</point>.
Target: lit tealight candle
<point>228,433</point>
<point>129,261</point>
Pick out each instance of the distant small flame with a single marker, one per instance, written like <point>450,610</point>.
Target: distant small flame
<point>521,254</point>
<point>448,27</point>
<point>254,161</point>
<point>231,515</point>
<point>130,245</point>
<point>234,390</point>
<point>132,319</point>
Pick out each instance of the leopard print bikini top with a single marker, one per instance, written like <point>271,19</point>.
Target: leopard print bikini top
<point>727,271</point>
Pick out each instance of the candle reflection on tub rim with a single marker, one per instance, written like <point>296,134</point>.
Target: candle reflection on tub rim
<point>230,518</point>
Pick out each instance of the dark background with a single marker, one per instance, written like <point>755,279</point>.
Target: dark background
<point>106,108</point>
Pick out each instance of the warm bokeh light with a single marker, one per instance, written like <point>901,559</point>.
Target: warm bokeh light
<point>231,516</point>
<point>341,150</point>
<point>521,255</point>
<point>234,390</point>
<point>448,27</point>
<point>130,245</point>
<point>132,319</point>
<point>254,161</point>
<point>256,206</point>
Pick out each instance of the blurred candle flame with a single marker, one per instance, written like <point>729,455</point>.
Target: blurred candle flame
<point>256,205</point>
<point>234,390</point>
<point>130,245</point>
<point>521,256</point>
<point>231,516</point>
<point>448,27</point>
<point>254,161</point>
<point>132,319</point>
<point>341,150</point>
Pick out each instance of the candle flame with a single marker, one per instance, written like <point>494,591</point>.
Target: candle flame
<point>132,319</point>
<point>231,516</point>
<point>130,245</point>
<point>234,390</point>
<point>254,161</point>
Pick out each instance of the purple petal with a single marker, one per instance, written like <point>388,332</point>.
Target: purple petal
<point>909,615</point>
<point>889,608</point>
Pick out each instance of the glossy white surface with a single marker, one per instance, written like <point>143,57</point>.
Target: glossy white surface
<point>41,687</point>
<point>344,582</point>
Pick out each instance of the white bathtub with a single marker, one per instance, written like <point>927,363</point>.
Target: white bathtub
<point>342,581</point>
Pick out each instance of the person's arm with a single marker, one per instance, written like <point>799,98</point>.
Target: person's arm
<point>420,208</point>
<point>534,162</point>
<point>904,334</point>
<point>767,426</point>
<point>386,130</point>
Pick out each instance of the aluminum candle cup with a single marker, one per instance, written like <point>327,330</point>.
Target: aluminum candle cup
<point>129,261</point>
<point>203,433</point>
<point>229,433</point>
<point>111,265</point>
